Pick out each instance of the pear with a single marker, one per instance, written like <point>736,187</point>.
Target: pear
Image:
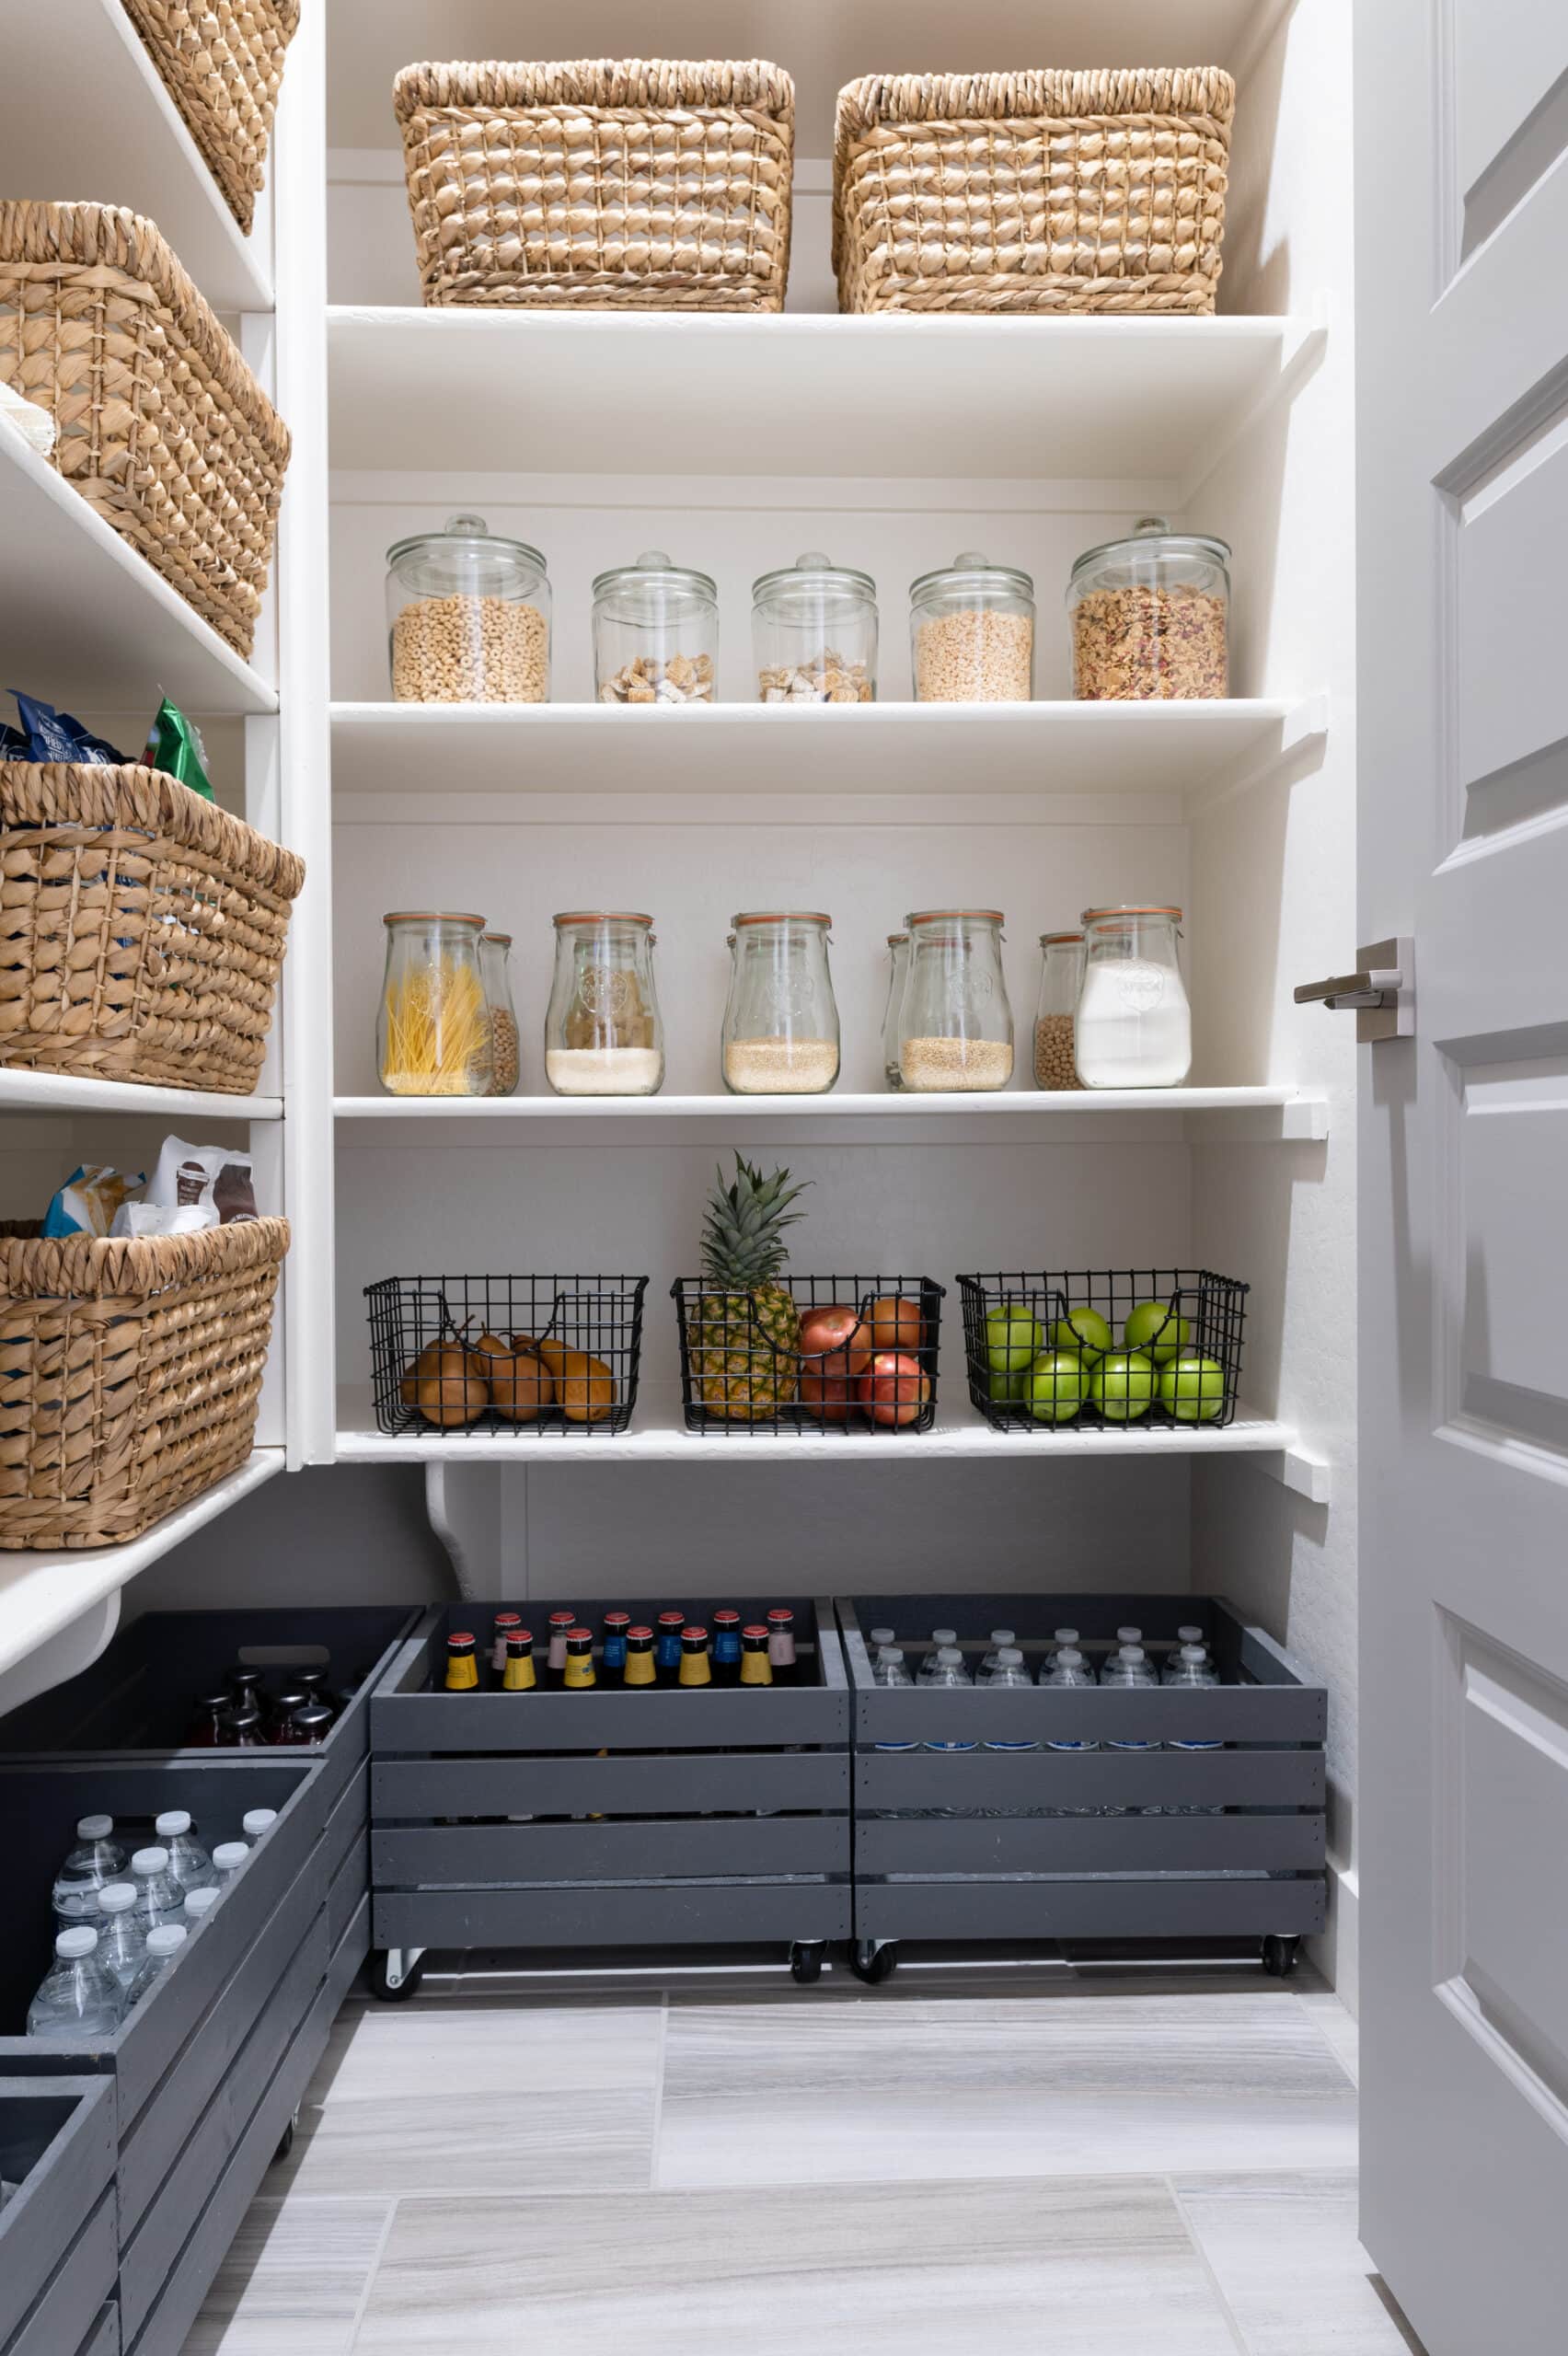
<point>585,1388</point>
<point>446,1384</point>
<point>521,1385</point>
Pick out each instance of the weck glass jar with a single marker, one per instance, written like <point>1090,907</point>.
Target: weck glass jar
<point>814,633</point>
<point>469,616</point>
<point>972,633</point>
<point>604,1033</point>
<point>655,634</point>
<point>495,968</point>
<point>898,953</point>
<point>1055,1011</point>
<point>780,1035</point>
<point>1150,614</point>
<point>1135,1028</point>
<point>956,1026</point>
<point>433,1035</point>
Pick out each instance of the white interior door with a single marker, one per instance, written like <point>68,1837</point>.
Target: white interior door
<point>1462,359</point>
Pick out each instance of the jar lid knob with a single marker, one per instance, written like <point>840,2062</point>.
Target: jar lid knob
<point>1152,523</point>
<point>654,560</point>
<point>971,561</point>
<point>469,527</point>
<point>814,561</point>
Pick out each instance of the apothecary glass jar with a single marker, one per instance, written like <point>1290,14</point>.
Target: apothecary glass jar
<point>1055,1011</point>
<point>433,1035</point>
<point>780,1035</point>
<point>898,953</point>
<point>956,1026</point>
<point>814,633</point>
<point>495,968</point>
<point>972,633</point>
<point>1151,616</point>
<point>1135,1028</point>
<point>655,634</point>
<point>469,616</point>
<point>604,1033</point>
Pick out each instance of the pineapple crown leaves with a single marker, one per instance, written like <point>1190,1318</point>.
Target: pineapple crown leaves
<point>741,1245</point>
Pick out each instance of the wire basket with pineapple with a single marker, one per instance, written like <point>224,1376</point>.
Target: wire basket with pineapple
<point>764,1350</point>
<point>523,1356</point>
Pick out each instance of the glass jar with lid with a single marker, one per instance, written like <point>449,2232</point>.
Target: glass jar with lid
<point>956,1026</point>
<point>433,1035</point>
<point>898,953</point>
<point>1056,1013</point>
<point>495,968</point>
<point>604,1033</point>
<point>1150,615</point>
<point>780,1035</point>
<point>1135,1028</point>
<point>814,633</point>
<point>470,615</point>
<point>972,633</point>
<point>655,633</point>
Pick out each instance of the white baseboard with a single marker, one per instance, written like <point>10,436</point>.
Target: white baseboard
<point>1336,1954</point>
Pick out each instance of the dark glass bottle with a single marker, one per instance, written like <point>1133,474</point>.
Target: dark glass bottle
<point>756,1666</point>
<point>462,1669</point>
<point>612,1647</point>
<point>281,1705</point>
<point>640,1673</point>
<point>726,1647</point>
<point>245,1685</point>
<point>505,1622</point>
<point>781,1646</point>
<point>667,1646</point>
<point>245,1731</point>
<point>562,1624</point>
<point>579,1673</point>
<point>308,1725</point>
<point>316,1683</point>
<point>696,1667</point>
<point>209,1722</point>
<point>518,1674</point>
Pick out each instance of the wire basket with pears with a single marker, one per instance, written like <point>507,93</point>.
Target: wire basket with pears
<point>524,1356</point>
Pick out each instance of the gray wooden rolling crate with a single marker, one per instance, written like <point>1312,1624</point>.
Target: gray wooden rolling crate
<point>610,1818</point>
<point>1221,1842</point>
<point>58,2250</point>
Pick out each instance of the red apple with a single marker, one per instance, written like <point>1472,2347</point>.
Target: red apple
<point>895,1323</point>
<point>834,1342</point>
<point>829,1397</point>
<point>894,1388</point>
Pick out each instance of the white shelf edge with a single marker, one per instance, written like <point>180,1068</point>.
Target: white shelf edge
<point>1300,1116</point>
<point>65,1092</point>
<point>41,1594</point>
<point>1152,712</point>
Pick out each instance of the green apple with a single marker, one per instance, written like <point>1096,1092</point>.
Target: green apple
<point>1193,1388</point>
<point>1013,1338</point>
<point>1058,1385</point>
<point>1157,1329</point>
<point>1084,1331</point>
<point>1008,1389</point>
<point>1122,1386</point>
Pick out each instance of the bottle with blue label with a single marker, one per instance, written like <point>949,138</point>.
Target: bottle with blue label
<point>1130,1669</point>
<point>1010,1675</point>
<point>1193,1671</point>
<point>891,1670</point>
<point>948,1674</point>
<point>1070,1673</point>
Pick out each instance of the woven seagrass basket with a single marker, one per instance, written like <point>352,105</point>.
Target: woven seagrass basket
<point>161,426</point>
<point>1043,192</point>
<point>222,62</point>
<point>129,1375</point>
<point>141,929</point>
<point>601,185</point>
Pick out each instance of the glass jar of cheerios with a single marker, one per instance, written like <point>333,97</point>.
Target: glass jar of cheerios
<point>470,615</point>
<point>972,633</point>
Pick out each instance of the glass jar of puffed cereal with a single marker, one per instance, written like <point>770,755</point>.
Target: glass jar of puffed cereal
<point>1056,1013</point>
<point>469,616</point>
<point>1151,616</point>
<point>655,634</point>
<point>972,633</point>
<point>814,633</point>
<point>603,1033</point>
<point>956,1027</point>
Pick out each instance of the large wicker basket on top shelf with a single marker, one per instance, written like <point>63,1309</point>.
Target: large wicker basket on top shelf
<point>222,62</point>
<point>162,427</point>
<point>142,929</point>
<point>599,184</point>
<point>1043,191</point>
<point>129,1375</point>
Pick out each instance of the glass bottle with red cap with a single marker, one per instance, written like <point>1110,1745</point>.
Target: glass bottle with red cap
<point>505,1623</point>
<point>517,1673</point>
<point>726,1647</point>
<point>462,1668</point>
<point>756,1668</point>
<point>579,1673</point>
<point>640,1674</point>
<point>696,1667</point>
<point>562,1624</point>
<point>667,1650</point>
<point>612,1647</point>
<point>782,1645</point>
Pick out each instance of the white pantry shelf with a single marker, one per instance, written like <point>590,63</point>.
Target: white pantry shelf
<point>86,622</point>
<point>85,116</point>
<point>64,1093</point>
<point>800,393</point>
<point>41,1594</point>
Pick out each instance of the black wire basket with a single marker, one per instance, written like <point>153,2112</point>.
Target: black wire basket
<point>736,1378</point>
<point>520,1393</point>
<point>1203,1314</point>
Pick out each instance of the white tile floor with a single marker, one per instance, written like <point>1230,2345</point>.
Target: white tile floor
<point>1075,2157</point>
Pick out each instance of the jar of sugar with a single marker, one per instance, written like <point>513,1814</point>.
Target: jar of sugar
<point>1135,1027</point>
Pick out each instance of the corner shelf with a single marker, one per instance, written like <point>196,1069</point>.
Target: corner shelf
<point>65,1092</point>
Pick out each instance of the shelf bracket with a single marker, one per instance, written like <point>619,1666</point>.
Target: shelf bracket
<point>1303,1470</point>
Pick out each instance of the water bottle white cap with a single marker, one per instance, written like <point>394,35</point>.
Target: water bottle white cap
<point>951,1658</point>
<point>1133,1653</point>
<point>1129,1635</point>
<point>1066,1635</point>
<point>117,1897</point>
<point>256,1820</point>
<point>1192,1652</point>
<point>73,1944</point>
<point>893,1652</point>
<point>228,1855</point>
<point>167,1939</point>
<point>944,1635</point>
<point>1070,1654</point>
<point>198,1900</point>
<point>882,1635</point>
<point>94,1828</point>
<point>150,1861</point>
<point>1003,1635</point>
<point>1009,1657</point>
<point>1191,1635</point>
<point>172,1823</point>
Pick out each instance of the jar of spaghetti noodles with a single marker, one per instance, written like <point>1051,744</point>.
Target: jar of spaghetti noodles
<point>435,1036</point>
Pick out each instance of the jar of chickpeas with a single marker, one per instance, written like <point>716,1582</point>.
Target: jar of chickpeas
<point>1056,1013</point>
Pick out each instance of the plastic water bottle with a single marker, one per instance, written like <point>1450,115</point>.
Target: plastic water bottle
<point>878,1640</point>
<point>950,1672</point>
<point>190,1867</point>
<point>1000,1639</point>
<point>1124,1637</point>
<point>1130,1669</point>
<point>123,1941</point>
<point>227,1859</point>
<point>1174,1672</point>
<point>1010,1675</point>
<point>158,1900</point>
<point>943,1640</point>
<point>199,1904</point>
<point>891,1669</point>
<point>1192,1670</point>
<point>96,1861</point>
<point>1064,1639</point>
<point>163,1946</point>
<point>77,1998</point>
<point>256,1820</point>
<point>1070,1673</point>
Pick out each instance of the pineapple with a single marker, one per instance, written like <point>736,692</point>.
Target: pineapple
<point>737,1374</point>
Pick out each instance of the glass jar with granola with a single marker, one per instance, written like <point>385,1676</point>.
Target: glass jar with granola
<point>1151,616</point>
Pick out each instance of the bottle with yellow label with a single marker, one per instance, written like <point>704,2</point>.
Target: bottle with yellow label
<point>518,1676</point>
<point>578,1674</point>
<point>696,1667</point>
<point>462,1669</point>
<point>756,1666</point>
<point>640,1674</point>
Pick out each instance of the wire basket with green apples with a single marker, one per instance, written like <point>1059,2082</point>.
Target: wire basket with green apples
<point>1112,1346</point>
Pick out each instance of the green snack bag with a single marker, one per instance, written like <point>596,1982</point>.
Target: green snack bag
<point>174,745</point>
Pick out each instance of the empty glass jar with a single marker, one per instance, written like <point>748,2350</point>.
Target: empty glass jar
<point>469,615</point>
<point>972,633</point>
<point>1149,615</point>
<point>956,1027</point>
<point>1135,1028</point>
<point>604,1033</point>
<point>433,1035</point>
<point>495,966</point>
<point>1056,1013</point>
<point>898,952</point>
<point>780,1035</point>
<point>814,633</point>
<point>655,634</point>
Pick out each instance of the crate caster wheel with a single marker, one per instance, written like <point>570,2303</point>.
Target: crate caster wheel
<point>395,1973</point>
<point>285,2143</point>
<point>805,1961</point>
<point>1279,1955</point>
<point>874,1960</point>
